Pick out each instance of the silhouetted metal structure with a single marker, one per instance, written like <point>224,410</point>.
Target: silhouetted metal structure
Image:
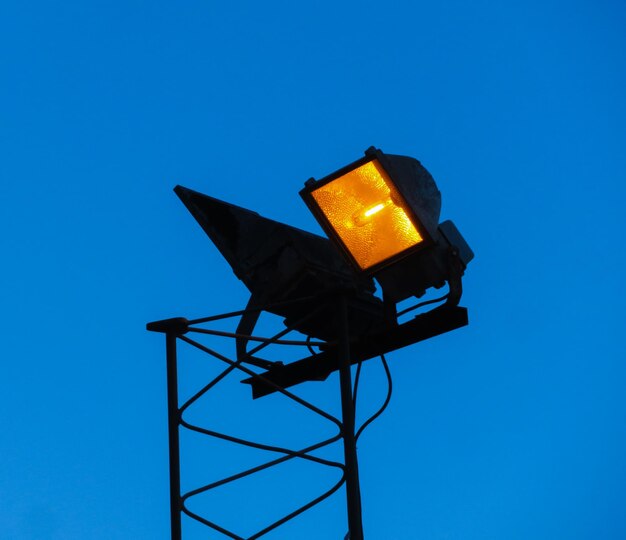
<point>319,291</point>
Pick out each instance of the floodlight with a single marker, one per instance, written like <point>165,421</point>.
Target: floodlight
<point>382,211</point>
<point>370,211</point>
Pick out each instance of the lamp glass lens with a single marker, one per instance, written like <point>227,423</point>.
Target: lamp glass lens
<point>368,214</point>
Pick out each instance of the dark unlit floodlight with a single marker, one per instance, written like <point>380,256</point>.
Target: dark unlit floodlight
<point>279,263</point>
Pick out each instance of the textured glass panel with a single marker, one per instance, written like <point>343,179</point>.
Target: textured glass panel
<point>367,213</point>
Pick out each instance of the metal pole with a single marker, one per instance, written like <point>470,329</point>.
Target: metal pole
<point>173,423</point>
<point>353,493</point>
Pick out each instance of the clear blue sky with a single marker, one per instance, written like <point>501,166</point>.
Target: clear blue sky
<point>512,428</point>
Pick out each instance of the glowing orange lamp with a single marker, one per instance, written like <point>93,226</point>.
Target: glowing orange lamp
<point>379,209</point>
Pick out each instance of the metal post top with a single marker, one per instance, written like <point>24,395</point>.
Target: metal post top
<point>175,325</point>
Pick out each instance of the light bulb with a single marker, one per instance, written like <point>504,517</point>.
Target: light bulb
<point>363,217</point>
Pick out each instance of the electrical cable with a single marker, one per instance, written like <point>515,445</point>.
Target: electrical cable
<point>384,405</point>
<point>422,304</point>
<point>357,377</point>
<point>308,346</point>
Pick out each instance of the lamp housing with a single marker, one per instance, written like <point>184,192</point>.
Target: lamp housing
<point>378,209</point>
<point>382,212</point>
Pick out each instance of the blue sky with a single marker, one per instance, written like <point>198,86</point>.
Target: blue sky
<point>514,427</point>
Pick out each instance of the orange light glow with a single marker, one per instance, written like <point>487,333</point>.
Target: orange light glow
<point>368,214</point>
<point>374,210</point>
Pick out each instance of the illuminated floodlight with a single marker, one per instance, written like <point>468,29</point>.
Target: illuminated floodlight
<point>369,212</point>
<point>382,211</point>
